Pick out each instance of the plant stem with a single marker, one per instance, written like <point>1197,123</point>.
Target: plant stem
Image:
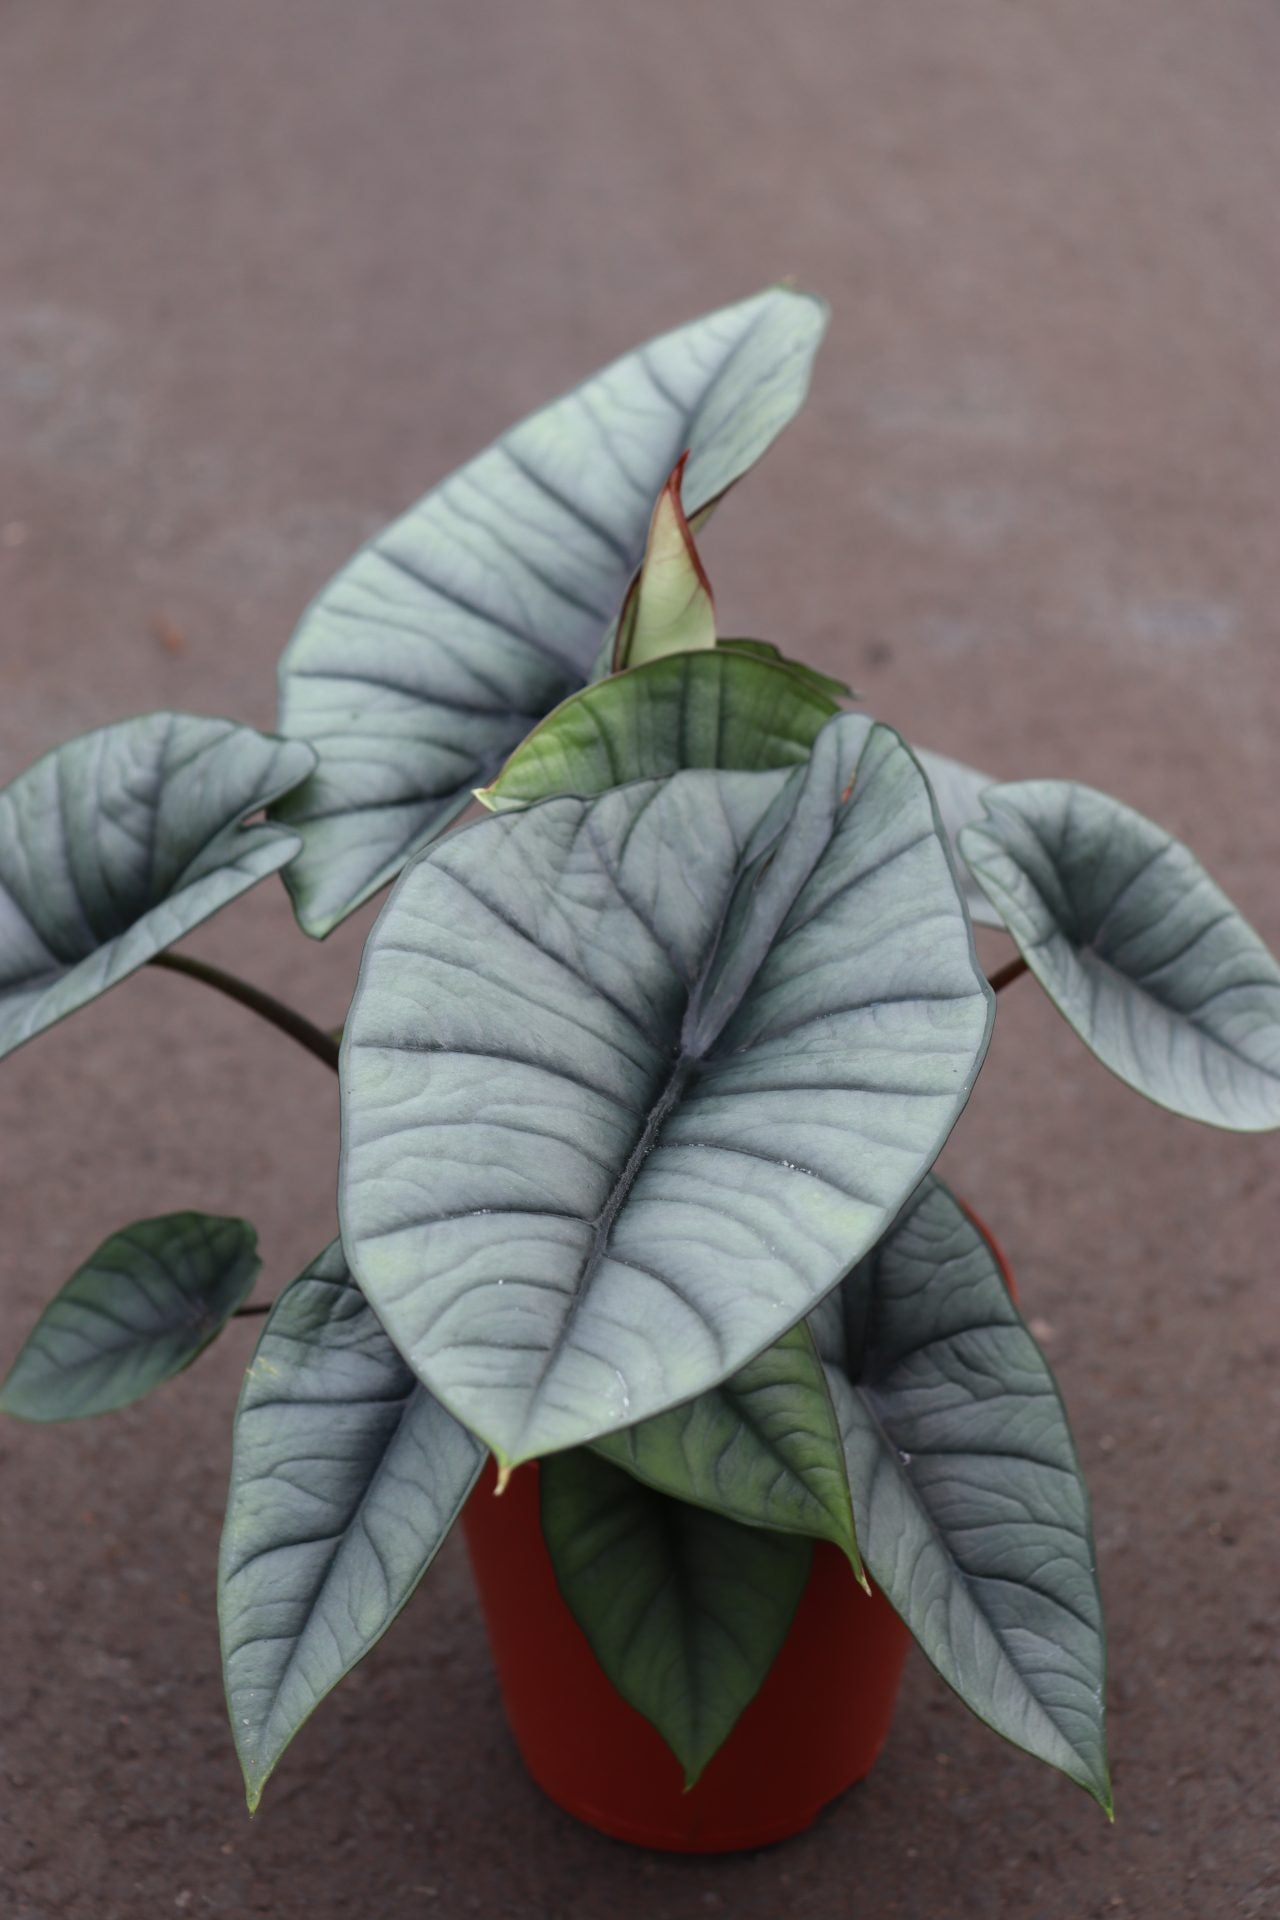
<point>245,1313</point>
<point>1004,976</point>
<point>313,1038</point>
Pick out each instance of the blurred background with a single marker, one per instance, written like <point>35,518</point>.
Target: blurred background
<point>266,274</point>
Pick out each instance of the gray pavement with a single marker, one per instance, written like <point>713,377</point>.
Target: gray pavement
<point>266,272</point>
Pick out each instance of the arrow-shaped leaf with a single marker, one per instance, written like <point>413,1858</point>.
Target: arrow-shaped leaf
<point>972,1514</point>
<point>684,1610</point>
<point>686,710</point>
<point>137,1312</point>
<point>345,1478</point>
<point>1137,948</point>
<point>116,844</point>
<point>763,1449</point>
<point>432,653</point>
<point>628,1081</point>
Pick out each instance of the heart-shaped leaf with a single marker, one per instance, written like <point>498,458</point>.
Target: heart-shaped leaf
<point>763,1449</point>
<point>345,1478</point>
<point>138,1311</point>
<point>686,710</point>
<point>972,1514</point>
<point>684,1610</point>
<point>116,844</point>
<point>435,650</point>
<point>669,607</point>
<point>958,791</point>
<point>627,1082</point>
<point>1137,948</point>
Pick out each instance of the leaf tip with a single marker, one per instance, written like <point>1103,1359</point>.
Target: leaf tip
<point>505,1472</point>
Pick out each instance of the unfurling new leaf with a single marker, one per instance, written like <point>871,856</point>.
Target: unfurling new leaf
<point>432,653</point>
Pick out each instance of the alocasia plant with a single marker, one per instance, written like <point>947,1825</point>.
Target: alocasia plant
<point>643,1082</point>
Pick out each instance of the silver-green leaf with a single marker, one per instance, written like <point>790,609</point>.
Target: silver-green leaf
<point>972,1513</point>
<point>628,1082</point>
<point>684,1610</point>
<point>346,1476</point>
<point>424,662</point>
<point>763,1449</point>
<point>115,845</point>
<point>137,1312</point>
<point>958,792</point>
<point>1137,948</point>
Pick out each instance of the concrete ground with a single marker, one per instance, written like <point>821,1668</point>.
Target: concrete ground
<point>266,272</point>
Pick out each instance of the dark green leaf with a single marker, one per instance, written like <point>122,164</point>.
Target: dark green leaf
<point>115,845</point>
<point>138,1311</point>
<point>684,1610</point>
<point>1137,948</point>
<point>685,710</point>
<point>627,1082</point>
<point>972,1514</point>
<point>346,1476</point>
<point>763,1449</point>
<point>435,650</point>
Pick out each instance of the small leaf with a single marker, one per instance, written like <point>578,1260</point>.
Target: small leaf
<point>958,791</point>
<point>1137,948</point>
<point>972,1514</point>
<point>627,1082</point>
<point>433,652</point>
<point>763,1449</point>
<point>684,1610</point>
<point>345,1478</point>
<point>137,1312</point>
<point>669,608</point>
<point>117,844</point>
<point>686,710</point>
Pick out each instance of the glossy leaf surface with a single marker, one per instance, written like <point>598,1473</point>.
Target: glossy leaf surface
<point>763,1449</point>
<point>1137,948</point>
<point>628,1082</point>
<point>117,844</point>
<point>346,1476</point>
<point>687,710</point>
<point>138,1311</point>
<point>433,652</point>
<point>684,1610</point>
<point>972,1514</point>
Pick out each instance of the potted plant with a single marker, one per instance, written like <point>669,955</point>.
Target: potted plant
<point>644,1079</point>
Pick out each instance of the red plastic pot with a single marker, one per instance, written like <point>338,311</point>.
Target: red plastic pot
<point>815,1727</point>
